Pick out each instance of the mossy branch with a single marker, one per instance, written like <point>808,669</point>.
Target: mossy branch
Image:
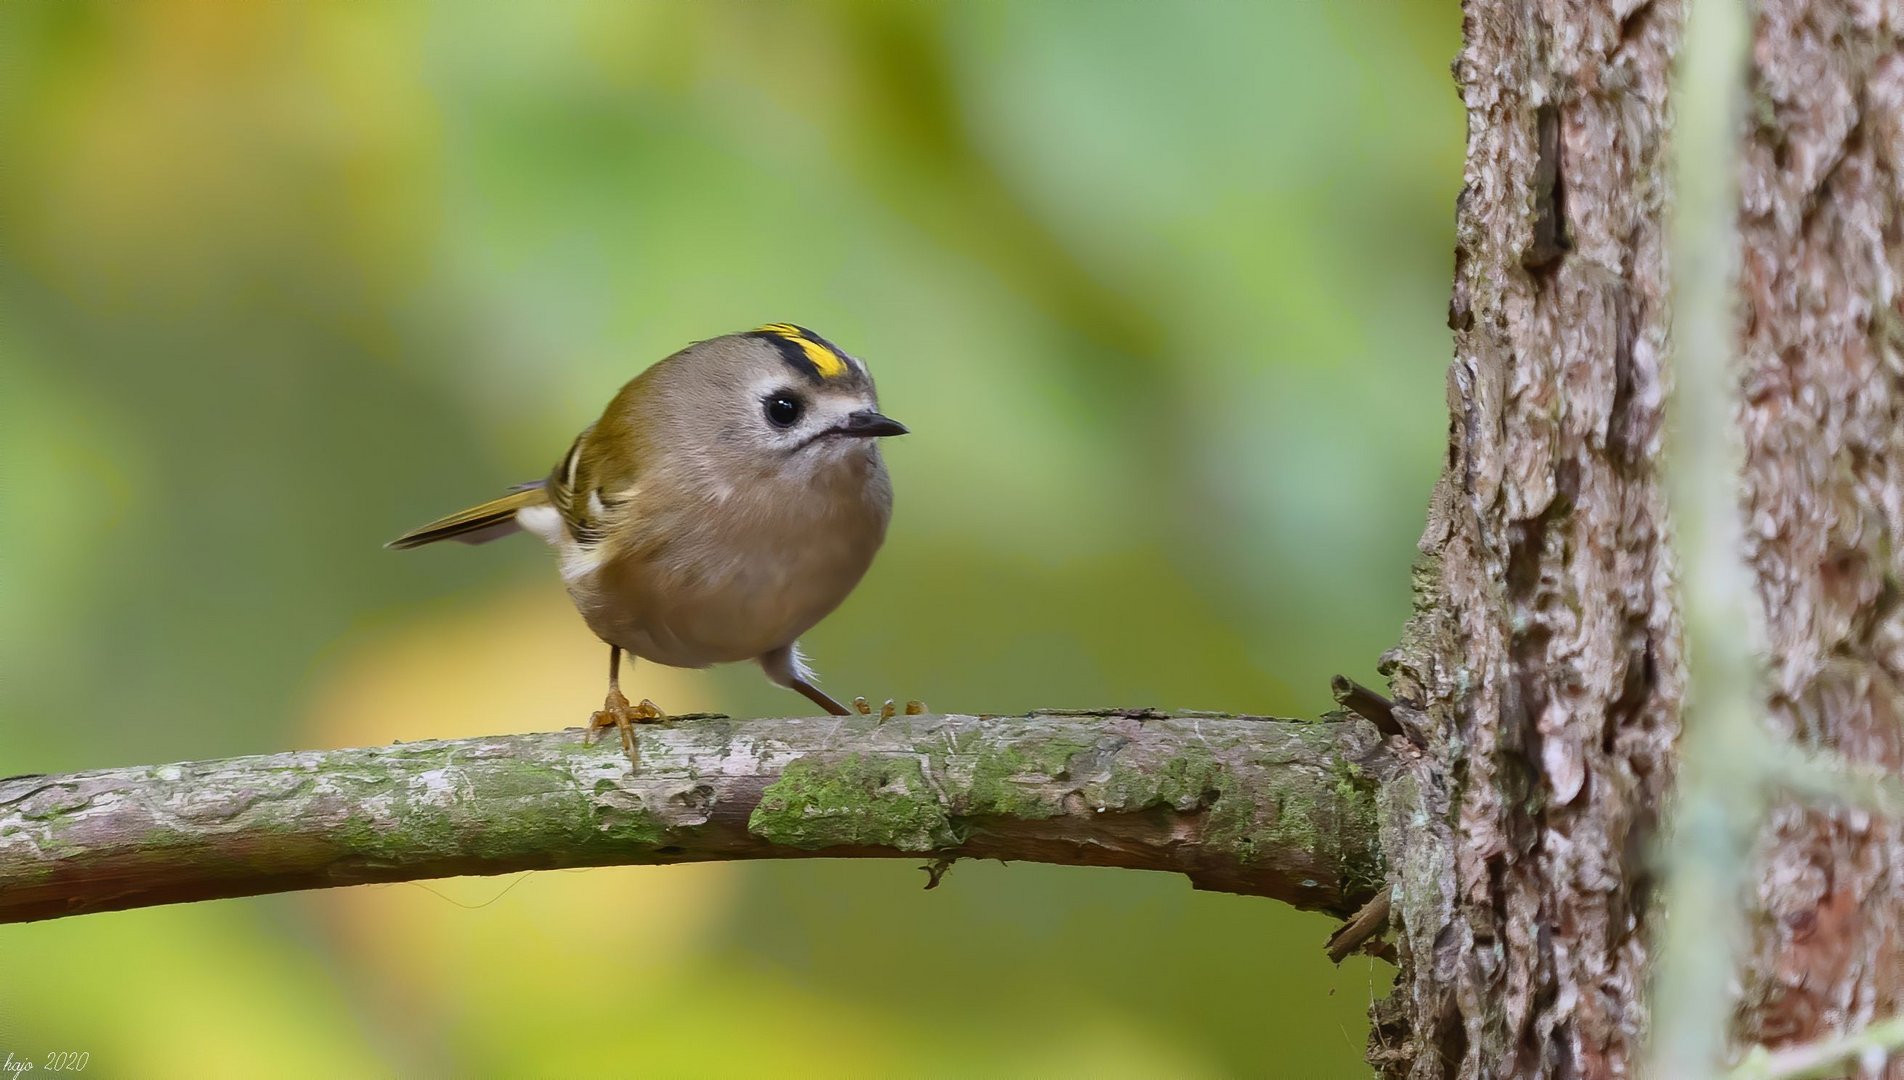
<point>1238,804</point>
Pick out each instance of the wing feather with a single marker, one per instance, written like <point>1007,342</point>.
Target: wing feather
<point>478,524</point>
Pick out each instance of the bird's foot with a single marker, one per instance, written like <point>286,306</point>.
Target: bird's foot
<point>618,714</point>
<point>888,710</point>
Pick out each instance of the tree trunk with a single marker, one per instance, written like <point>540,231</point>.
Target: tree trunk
<point>1542,670</point>
<point>1822,233</point>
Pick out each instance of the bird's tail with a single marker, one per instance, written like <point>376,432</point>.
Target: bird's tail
<point>478,524</point>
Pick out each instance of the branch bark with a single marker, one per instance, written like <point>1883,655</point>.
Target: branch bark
<point>1239,804</point>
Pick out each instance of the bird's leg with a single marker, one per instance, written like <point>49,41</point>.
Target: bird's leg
<point>783,665</point>
<point>618,714</point>
<point>818,696</point>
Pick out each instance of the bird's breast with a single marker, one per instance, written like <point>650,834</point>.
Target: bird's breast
<point>720,580</point>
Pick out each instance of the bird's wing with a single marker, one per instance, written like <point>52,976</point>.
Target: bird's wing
<point>590,485</point>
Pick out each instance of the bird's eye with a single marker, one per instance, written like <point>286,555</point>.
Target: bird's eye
<point>783,410</point>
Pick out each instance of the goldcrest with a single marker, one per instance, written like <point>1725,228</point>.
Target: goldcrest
<point>728,499</point>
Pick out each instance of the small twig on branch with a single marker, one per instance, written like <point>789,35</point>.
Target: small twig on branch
<point>1869,1050</point>
<point>1363,926</point>
<point>936,870</point>
<point>1367,704</point>
<point>1245,805</point>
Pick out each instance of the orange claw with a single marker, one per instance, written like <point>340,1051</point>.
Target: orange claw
<point>887,711</point>
<point>618,714</point>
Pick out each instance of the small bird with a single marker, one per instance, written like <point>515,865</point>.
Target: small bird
<point>728,499</point>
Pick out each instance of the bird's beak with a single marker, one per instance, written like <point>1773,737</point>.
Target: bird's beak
<point>867,424</point>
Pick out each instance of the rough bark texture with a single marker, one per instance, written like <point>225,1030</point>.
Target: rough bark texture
<point>1823,347</point>
<point>1542,662</point>
<point>1239,804</point>
<point>1542,670</point>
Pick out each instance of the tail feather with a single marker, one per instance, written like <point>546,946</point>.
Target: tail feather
<point>478,524</point>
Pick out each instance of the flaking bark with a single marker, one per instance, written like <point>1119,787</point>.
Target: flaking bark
<point>1238,804</point>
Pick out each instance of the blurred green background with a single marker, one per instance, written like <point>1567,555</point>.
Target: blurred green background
<point>1160,289</point>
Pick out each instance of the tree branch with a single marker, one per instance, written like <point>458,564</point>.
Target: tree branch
<point>1239,804</point>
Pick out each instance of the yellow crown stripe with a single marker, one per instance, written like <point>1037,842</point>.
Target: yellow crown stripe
<point>828,363</point>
